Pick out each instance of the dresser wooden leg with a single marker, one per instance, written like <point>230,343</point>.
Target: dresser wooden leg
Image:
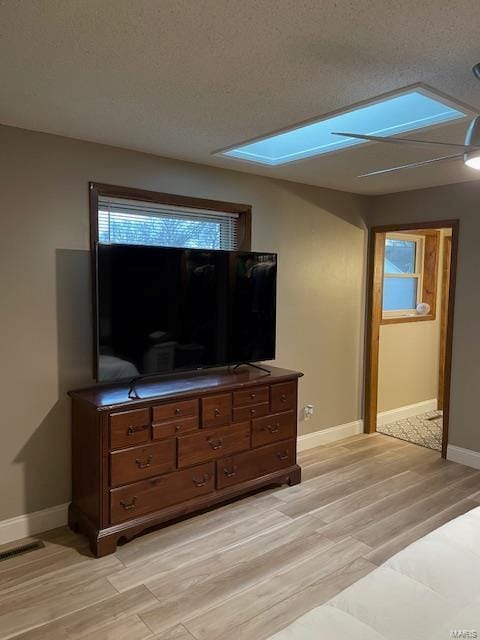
<point>103,546</point>
<point>295,477</point>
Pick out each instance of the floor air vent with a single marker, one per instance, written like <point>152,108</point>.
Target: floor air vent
<point>18,551</point>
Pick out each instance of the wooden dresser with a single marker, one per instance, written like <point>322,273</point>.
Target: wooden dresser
<point>188,443</point>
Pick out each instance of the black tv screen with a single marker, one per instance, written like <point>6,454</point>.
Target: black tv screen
<point>162,309</point>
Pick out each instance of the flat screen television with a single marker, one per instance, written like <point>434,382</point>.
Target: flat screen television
<point>162,309</point>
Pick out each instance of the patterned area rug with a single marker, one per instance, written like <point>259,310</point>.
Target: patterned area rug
<point>424,429</point>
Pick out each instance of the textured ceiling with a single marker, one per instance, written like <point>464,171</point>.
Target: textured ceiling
<point>184,78</point>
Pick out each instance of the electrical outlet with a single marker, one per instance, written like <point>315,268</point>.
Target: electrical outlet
<point>308,411</point>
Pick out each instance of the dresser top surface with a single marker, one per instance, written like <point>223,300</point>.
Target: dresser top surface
<point>180,385</point>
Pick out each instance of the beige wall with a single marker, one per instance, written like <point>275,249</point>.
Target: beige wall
<point>408,364</point>
<point>46,318</point>
<point>409,355</point>
<point>460,201</point>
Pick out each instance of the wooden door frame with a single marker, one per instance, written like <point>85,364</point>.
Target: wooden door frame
<point>374,312</point>
<point>445,293</point>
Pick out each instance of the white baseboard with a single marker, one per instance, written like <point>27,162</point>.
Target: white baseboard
<point>30,524</point>
<point>324,436</point>
<point>464,456</point>
<point>408,411</point>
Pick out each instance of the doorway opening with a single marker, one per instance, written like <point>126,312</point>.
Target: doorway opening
<point>410,303</point>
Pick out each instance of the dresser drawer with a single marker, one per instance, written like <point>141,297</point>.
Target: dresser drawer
<point>129,428</point>
<point>283,396</point>
<point>213,443</point>
<point>174,410</point>
<point>138,463</point>
<point>217,410</point>
<point>157,493</point>
<point>250,396</point>
<point>174,428</point>
<point>272,428</point>
<point>256,463</point>
<point>254,411</point>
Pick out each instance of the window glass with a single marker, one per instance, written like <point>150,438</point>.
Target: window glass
<point>400,256</point>
<point>118,228</point>
<point>399,293</point>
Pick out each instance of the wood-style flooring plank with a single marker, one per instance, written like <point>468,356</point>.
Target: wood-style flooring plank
<point>335,491</point>
<point>218,586</point>
<point>192,530</point>
<point>177,633</point>
<point>372,493</point>
<point>312,456</point>
<point>333,477</point>
<point>385,551</point>
<point>377,533</point>
<point>41,568</point>
<point>44,599</point>
<point>359,437</point>
<point>334,464</point>
<point>85,621</point>
<point>283,613</point>
<point>221,620</point>
<point>383,464</point>
<point>131,628</point>
<point>189,577</point>
<point>316,473</point>
<point>369,516</point>
<point>142,571</point>
<point>375,444</point>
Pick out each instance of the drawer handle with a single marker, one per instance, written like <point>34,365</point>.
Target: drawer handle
<point>132,430</point>
<point>229,473</point>
<point>253,396</point>
<point>177,410</point>
<point>128,506</point>
<point>178,427</point>
<point>252,411</point>
<point>274,428</point>
<point>216,444</point>
<point>216,412</point>
<point>283,397</point>
<point>282,456</point>
<point>144,465</point>
<point>202,482</point>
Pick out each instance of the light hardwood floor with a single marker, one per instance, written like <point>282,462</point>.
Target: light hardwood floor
<point>247,569</point>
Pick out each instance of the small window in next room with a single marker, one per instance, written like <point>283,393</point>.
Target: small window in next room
<point>410,275</point>
<point>403,269</point>
<point>121,215</point>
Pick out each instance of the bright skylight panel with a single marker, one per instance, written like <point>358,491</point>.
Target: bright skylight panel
<point>396,114</point>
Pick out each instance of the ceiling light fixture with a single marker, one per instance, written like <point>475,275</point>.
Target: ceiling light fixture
<point>472,139</point>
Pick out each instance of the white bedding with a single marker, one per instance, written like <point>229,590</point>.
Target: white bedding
<point>428,591</point>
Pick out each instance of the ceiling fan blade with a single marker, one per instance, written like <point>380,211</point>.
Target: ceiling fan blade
<point>412,165</point>
<point>393,140</point>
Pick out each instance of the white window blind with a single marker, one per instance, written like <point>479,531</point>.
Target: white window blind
<point>122,221</point>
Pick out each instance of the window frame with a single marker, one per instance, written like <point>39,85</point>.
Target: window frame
<point>244,211</point>
<point>426,270</point>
